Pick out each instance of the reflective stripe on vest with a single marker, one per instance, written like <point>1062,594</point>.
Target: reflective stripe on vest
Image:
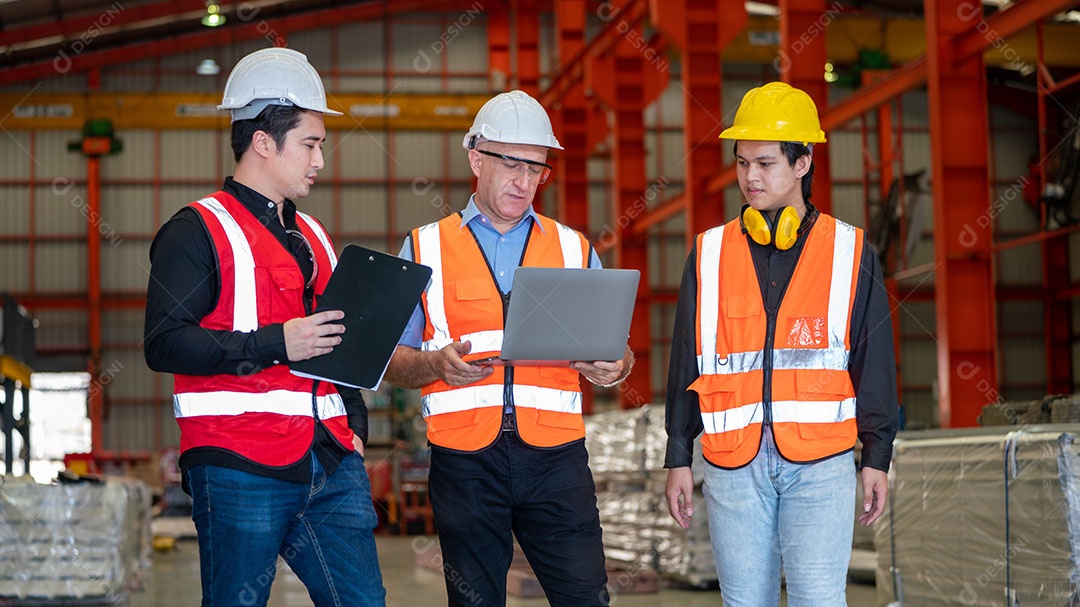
<point>283,402</point>
<point>810,412</point>
<point>476,397</point>
<point>733,419</point>
<point>321,234</point>
<point>484,341</point>
<point>430,244</point>
<point>245,311</point>
<point>782,412</point>
<point>835,357</point>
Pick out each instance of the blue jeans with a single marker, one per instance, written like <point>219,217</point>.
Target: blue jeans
<point>772,513</point>
<point>322,529</point>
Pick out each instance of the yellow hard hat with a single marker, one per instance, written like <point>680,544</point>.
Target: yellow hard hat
<point>776,111</point>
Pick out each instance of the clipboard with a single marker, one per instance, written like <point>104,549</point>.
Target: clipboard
<point>378,293</point>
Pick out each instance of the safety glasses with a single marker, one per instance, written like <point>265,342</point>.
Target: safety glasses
<point>511,164</point>
<point>311,252</point>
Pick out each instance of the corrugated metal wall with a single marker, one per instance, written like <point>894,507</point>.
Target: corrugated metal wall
<point>389,182</point>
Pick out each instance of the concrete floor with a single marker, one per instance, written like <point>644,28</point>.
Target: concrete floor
<point>174,582</point>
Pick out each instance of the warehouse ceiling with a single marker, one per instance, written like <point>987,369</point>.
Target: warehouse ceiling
<point>32,29</point>
<point>36,32</point>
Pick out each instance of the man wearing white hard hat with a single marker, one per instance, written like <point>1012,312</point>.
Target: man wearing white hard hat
<point>273,462</point>
<point>508,454</point>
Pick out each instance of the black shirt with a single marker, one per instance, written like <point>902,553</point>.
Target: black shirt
<point>183,289</point>
<point>872,363</point>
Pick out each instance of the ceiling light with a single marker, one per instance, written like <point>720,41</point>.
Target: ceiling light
<point>762,9</point>
<point>213,16</point>
<point>208,67</point>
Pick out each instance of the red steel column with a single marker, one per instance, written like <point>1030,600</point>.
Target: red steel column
<point>95,394</point>
<point>626,85</point>
<point>701,30</point>
<point>93,289</point>
<point>963,236</point>
<point>498,48</point>
<point>802,65</point>
<point>571,121</point>
<point>571,128</point>
<point>527,25</point>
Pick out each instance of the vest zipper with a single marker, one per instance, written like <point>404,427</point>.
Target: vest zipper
<point>766,387</point>
<point>508,372</point>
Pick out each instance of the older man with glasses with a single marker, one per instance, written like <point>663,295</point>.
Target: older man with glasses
<point>508,456</point>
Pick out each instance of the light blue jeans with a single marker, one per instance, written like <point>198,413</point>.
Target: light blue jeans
<point>773,513</point>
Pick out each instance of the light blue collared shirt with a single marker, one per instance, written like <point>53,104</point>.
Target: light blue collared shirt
<point>502,251</point>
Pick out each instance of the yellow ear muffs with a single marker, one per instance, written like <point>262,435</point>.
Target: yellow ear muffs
<point>787,228</point>
<point>756,225</point>
<point>761,229</point>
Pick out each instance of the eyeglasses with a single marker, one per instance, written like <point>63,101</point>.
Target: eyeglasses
<point>311,252</point>
<point>512,164</point>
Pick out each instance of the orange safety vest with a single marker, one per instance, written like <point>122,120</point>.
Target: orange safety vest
<point>266,416</point>
<point>463,303</point>
<point>812,409</point>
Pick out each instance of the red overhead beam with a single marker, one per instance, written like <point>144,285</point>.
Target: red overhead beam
<point>271,30</point>
<point>984,34</point>
<point>109,17</point>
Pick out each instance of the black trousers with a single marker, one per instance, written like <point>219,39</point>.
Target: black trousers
<point>544,497</point>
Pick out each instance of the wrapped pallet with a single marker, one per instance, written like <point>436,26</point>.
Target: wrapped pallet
<point>626,454</point>
<point>982,517</point>
<point>73,542</point>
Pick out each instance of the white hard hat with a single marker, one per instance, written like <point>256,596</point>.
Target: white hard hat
<point>273,76</point>
<point>512,117</point>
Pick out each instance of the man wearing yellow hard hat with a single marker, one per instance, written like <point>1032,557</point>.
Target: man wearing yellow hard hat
<point>782,356</point>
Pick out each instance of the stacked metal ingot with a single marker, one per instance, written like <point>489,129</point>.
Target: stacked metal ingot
<point>626,454</point>
<point>982,517</point>
<point>73,541</point>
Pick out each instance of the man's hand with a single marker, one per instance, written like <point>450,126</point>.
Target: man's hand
<point>604,372</point>
<point>601,372</point>
<point>449,366</point>
<point>680,495</point>
<point>312,336</point>
<point>875,484</point>
<point>358,445</point>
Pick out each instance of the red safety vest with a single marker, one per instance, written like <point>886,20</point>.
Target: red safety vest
<point>265,416</point>
<point>813,402</point>
<point>462,303</point>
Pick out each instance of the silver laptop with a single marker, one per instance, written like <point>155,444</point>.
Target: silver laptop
<point>559,315</point>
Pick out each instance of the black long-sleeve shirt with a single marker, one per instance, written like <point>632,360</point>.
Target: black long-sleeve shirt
<point>183,289</point>
<point>872,364</point>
